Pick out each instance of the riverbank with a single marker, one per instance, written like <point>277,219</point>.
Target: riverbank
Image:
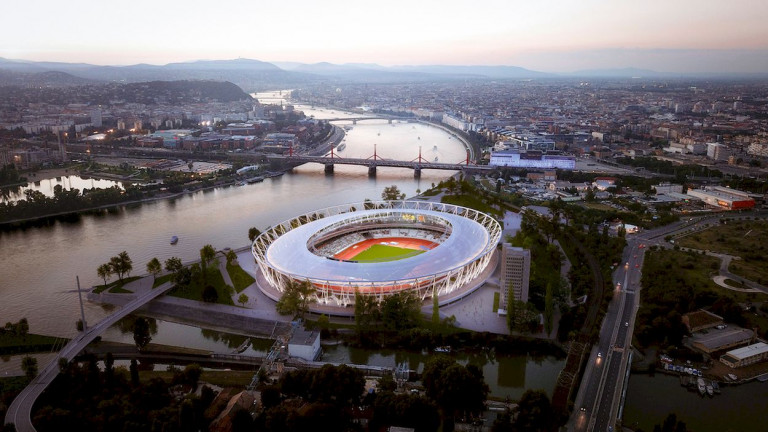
<point>30,343</point>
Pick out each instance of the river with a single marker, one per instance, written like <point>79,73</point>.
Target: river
<point>39,264</point>
<point>651,398</point>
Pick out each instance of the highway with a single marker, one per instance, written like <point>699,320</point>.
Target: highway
<point>597,401</point>
<point>601,387</point>
<point>20,411</point>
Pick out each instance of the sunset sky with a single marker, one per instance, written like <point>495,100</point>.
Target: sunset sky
<point>545,35</point>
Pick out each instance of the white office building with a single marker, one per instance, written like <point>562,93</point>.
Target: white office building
<point>515,273</point>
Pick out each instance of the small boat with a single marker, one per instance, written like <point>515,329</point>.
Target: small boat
<point>732,377</point>
<point>710,390</point>
<point>341,146</point>
<point>174,240</point>
<point>256,179</point>
<point>443,349</point>
<point>701,386</point>
<point>434,147</point>
<point>716,387</point>
<point>435,158</point>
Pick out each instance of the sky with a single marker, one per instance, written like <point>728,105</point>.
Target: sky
<point>545,35</point>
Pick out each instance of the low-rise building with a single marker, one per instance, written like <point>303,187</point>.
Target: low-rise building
<point>726,198</point>
<point>747,355</point>
<point>722,339</point>
<point>701,320</point>
<point>304,344</point>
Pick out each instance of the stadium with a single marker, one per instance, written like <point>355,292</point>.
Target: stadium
<point>377,248</point>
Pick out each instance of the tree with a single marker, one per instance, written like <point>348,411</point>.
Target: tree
<point>401,310</point>
<point>392,193</point>
<point>435,308</point>
<point>453,387</point>
<point>253,232</point>
<point>141,333</point>
<point>22,328</point>
<point>104,271</point>
<point>296,298</point>
<point>243,299</point>
<point>29,366</point>
<point>121,265</point>
<point>534,413</point>
<point>192,374</point>
<point>366,311</point>
<point>134,369</point>
<point>207,254</point>
<point>154,268</point>
<point>210,295</point>
<point>548,309</point>
<point>173,264</point>
<point>231,256</point>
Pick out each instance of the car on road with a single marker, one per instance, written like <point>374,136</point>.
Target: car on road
<point>600,355</point>
<point>626,323</point>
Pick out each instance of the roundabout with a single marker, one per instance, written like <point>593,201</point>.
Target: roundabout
<point>426,248</point>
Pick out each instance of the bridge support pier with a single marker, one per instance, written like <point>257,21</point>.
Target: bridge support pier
<point>372,171</point>
<point>329,168</point>
<point>417,173</point>
<point>354,122</point>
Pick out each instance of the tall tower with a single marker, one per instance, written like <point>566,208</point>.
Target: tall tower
<point>515,273</point>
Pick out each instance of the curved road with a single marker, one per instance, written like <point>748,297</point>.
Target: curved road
<point>20,411</point>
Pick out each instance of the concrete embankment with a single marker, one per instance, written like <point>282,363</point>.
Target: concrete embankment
<point>219,317</point>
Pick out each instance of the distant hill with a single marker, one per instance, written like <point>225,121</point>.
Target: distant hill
<point>40,79</point>
<point>246,73</point>
<point>622,73</point>
<point>493,72</point>
<point>149,93</point>
<point>255,74</point>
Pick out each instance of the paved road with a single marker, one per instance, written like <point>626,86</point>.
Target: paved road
<point>19,413</point>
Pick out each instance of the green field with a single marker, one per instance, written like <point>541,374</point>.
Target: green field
<point>381,253</point>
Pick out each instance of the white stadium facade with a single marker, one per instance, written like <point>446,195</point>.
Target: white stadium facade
<point>457,245</point>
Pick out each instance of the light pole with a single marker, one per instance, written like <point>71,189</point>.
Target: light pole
<point>80,296</point>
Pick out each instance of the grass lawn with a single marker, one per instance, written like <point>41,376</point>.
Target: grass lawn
<point>195,290</point>
<point>742,238</point>
<point>116,285</point>
<point>240,278</point>
<point>382,253</point>
<point>12,344</point>
<point>162,279</point>
<point>469,201</point>
<point>496,300</point>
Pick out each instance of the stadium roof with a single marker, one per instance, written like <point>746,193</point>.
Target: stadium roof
<point>468,240</point>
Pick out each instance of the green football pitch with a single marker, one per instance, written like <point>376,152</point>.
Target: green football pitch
<point>380,253</point>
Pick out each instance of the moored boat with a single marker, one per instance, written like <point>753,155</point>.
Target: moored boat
<point>701,386</point>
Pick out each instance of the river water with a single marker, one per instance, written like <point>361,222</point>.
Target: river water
<point>651,398</point>
<point>38,265</point>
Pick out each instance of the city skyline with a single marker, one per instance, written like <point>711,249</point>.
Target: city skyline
<point>549,36</point>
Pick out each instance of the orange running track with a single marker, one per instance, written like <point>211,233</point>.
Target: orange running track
<point>402,242</point>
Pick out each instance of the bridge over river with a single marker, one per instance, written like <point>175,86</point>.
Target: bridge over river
<point>19,413</point>
<point>376,161</point>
